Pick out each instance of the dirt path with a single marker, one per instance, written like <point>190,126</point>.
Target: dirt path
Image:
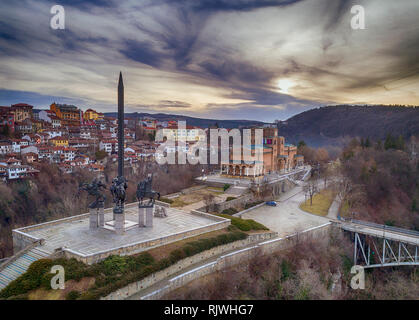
<point>334,209</point>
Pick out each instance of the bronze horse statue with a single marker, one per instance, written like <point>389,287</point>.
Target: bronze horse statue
<point>119,185</point>
<point>94,189</point>
<point>144,191</point>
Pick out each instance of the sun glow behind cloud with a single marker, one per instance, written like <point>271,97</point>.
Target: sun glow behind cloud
<point>285,85</point>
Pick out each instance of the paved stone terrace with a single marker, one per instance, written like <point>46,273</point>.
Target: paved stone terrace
<point>75,235</point>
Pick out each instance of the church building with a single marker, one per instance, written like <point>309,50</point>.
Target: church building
<point>278,156</point>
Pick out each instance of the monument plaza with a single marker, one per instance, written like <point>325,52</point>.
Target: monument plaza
<point>122,230</point>
<point>73,237</point>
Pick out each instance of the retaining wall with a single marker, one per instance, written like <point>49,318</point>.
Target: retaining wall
<point>192,189</point>
<point>134,248</point>
<point>135,287</point>
<point>239,214</point>
<point>240,256</point>
<point>219,207</point>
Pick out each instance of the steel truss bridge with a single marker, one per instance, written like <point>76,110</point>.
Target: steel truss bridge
<point>378,245</point>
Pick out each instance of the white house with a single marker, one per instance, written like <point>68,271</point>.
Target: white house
<point>108,145</point>
<point>69,154</point>
<point>15,146</point>
<point>19,171</point>
<point>5,147</point>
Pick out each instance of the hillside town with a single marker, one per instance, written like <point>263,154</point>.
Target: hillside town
<point>74,139</point>
<point>71,138</point>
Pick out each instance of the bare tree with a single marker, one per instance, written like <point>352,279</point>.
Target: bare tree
<point>322,156</point>
<point>348,192</point>
<point>310,189</point>
<point>325,173</point>
<point>343,188</point>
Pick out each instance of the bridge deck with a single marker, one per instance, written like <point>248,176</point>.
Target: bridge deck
<point>381,232</point>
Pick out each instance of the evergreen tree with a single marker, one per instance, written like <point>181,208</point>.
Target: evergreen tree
<point>390,142</point>
<point>301,143</point>
<point>400,143</point>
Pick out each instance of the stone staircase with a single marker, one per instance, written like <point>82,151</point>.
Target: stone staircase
<point>306,175</point>
<point>20,265</point>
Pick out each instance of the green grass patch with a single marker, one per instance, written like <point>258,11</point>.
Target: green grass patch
<point>321,203</point>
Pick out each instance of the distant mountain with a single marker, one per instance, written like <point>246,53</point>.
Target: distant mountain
<point>203,123</point>
<point>333,125</point>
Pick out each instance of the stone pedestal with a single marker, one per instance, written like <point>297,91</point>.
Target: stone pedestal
<point>119,223</point>
<point>141,217</point>
<point>93,221</point>
<point>145,217</point>
<point>149,217</point>
<point>101,217</point>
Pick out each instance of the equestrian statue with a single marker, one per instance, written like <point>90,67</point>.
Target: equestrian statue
<point>94,189</point>
<point>118,187</point>
<point>144,191</point>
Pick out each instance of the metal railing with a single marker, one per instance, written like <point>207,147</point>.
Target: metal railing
<point>385,227</point>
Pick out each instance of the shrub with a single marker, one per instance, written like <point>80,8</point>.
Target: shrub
<point>230,211</point>
<point>230,198</point>
<point>163,264</point>
<point>144,259</point>
<point>169,201</point>
<point>389,223</point>
<point>32,279</point>
<point>89,295</point>
<point>226,186</point>
<point>195,247</point>
<point>176,255</point>
<point>303,294</point>
<point>74,269</point>
<point>286,270</point>
<point>114,265</point>
<point>244,224</point>
<point>73,295</point>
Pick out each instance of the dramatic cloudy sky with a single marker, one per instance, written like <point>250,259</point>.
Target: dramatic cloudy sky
<point>224,59</point>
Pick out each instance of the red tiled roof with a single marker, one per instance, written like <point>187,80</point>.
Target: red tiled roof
<point>12,160</point>
<point>21,105</point>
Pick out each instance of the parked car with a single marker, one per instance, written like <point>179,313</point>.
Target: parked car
<point>271,203</point>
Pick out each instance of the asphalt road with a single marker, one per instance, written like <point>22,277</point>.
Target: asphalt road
<point>286,218</point>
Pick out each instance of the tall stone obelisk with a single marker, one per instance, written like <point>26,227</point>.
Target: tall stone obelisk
<point>119,184</point>
<point>120,126</point>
